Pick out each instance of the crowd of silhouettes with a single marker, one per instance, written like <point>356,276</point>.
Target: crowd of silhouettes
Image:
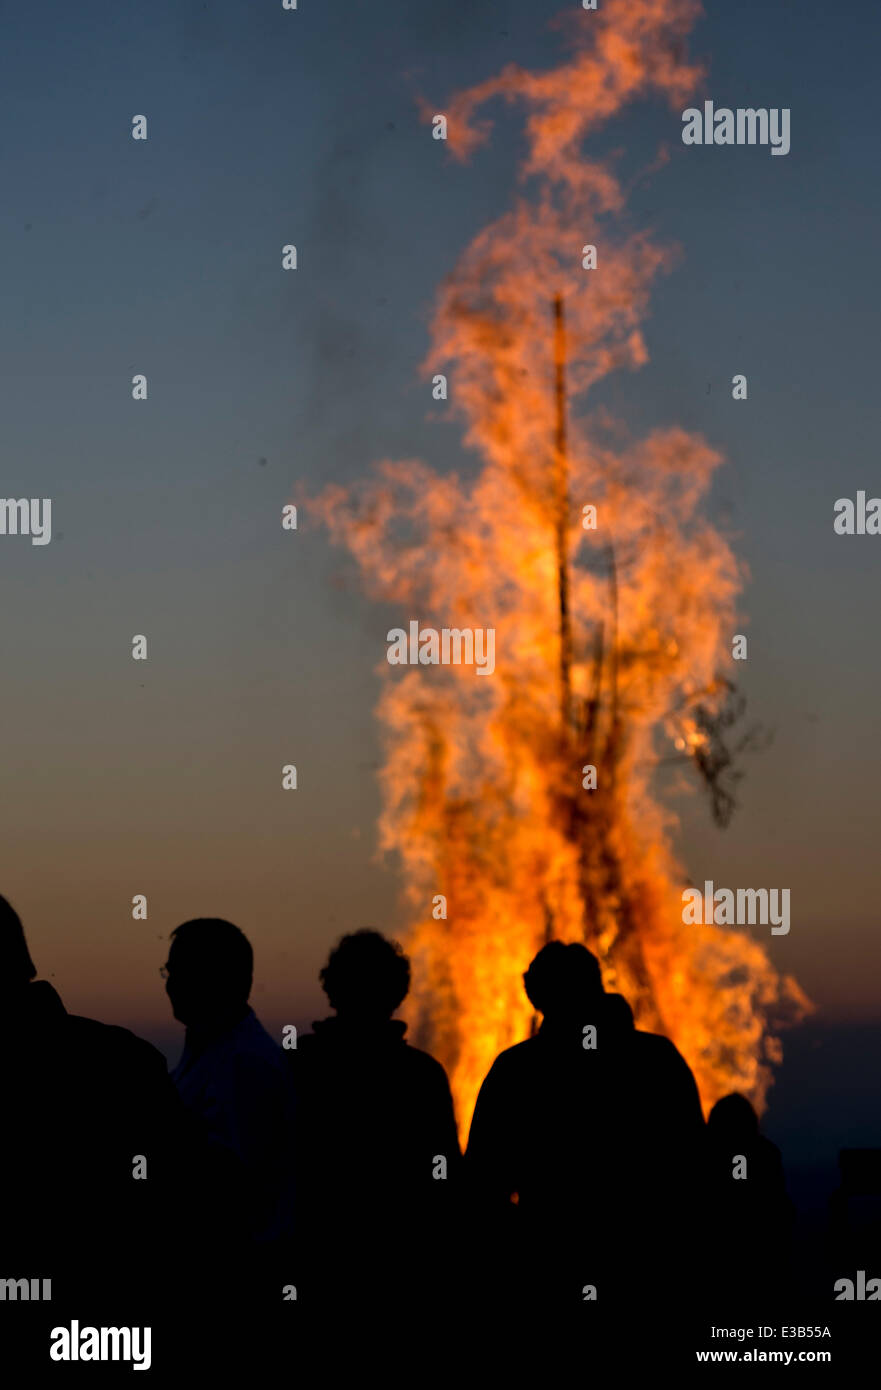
<point>334,1166</point>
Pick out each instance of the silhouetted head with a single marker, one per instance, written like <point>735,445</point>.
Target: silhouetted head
<point>366,977</point>
<point>209,971</point>
<point>562,980</point>
<point>733,1119</point>
<point>16,967</point>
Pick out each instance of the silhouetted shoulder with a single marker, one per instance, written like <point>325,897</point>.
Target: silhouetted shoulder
<point>113,1042</point>
<point>423,1065</point>
<point>661,1065</point>
<point>658,1041</point>
<point>329,1045</point>
<point>501,1088</point>
<point>659,1049</point>
<point>513,1057</point>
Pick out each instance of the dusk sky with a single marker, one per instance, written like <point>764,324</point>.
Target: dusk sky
<point>164,257</point>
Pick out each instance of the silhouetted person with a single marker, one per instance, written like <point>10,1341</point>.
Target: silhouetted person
<point>748,1214</point>
<point>378,1131</point>
<point>661,1099</point>
<point>84,1107</point>
<point>233,1080</point>
<point>583,1140</point>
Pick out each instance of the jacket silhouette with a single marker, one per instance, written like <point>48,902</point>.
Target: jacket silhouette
<point>748,1215</point>
<point>85,1106</point>
<point>380,1152</point>
<point>585,1139</point>
<point>233,1082</point>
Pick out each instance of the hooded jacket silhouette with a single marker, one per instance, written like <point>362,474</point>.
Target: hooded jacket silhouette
<point>586,1137</point>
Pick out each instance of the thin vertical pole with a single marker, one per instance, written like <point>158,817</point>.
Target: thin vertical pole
<point>561,516</point>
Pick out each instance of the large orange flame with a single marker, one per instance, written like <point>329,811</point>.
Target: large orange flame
<point>608,641</point>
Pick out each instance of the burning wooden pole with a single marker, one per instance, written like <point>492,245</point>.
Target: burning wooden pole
<point>561,517</point>
<point>593,738</point>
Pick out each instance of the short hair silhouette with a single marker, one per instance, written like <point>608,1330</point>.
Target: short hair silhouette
<point>562,978</point>
<point>16,966</point>
<point>210,963</point>
<point>366,973</point>
<point>733,1117</point>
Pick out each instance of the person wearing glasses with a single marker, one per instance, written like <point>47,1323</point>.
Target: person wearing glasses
<point>233,1081</point>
